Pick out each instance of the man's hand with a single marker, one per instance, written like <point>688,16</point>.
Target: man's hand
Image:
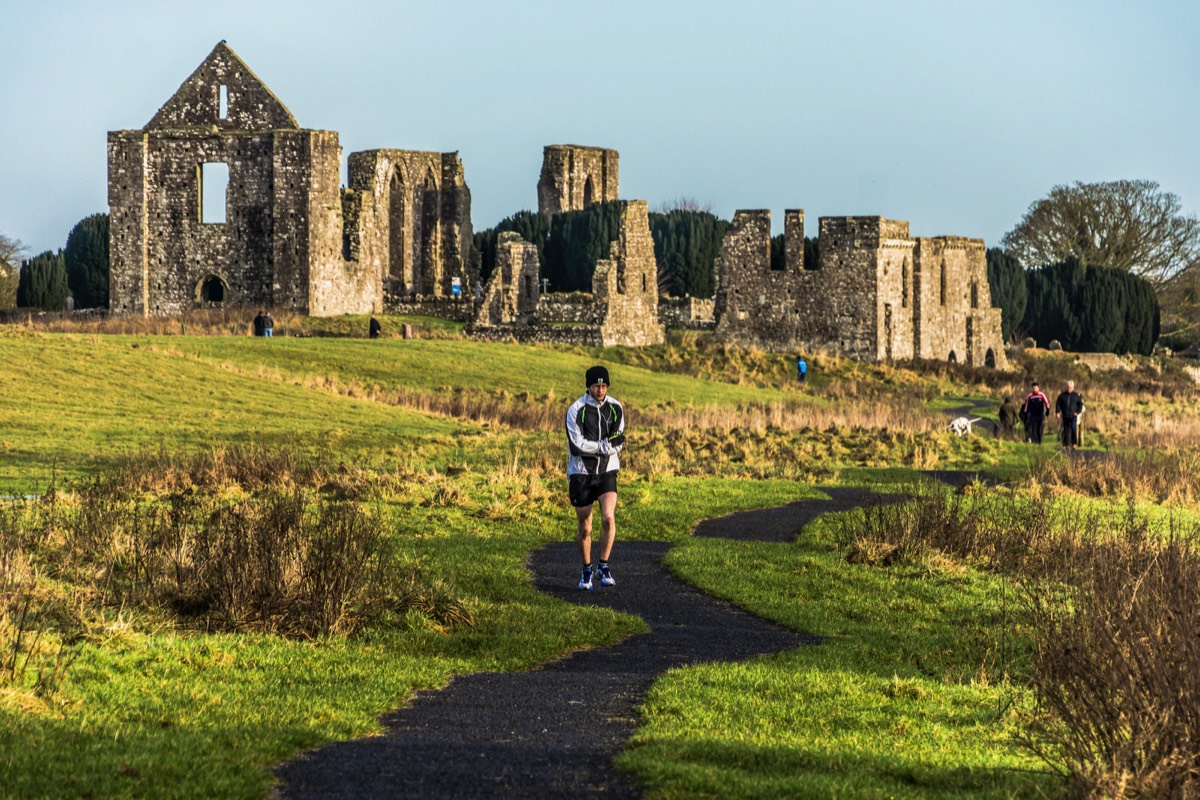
<point>617,441</point>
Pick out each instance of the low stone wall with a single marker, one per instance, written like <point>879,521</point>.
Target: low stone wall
<point>689,313</point>
<point>441,307</point>
<point>584,335</point>
<point>576,307</point>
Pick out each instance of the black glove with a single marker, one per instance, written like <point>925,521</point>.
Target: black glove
<point>617,441</point>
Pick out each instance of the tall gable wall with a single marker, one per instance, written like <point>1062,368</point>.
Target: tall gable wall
<point>574,177</point>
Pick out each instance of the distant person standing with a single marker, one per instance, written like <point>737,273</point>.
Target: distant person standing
<point>801,369</point>
<point>595,435</point>
<point>1008,417</point>
<point>268,324</point>
<point>1035,409</point>
<point>374,328</point>
<point>1067,408</point>
<point>258,323</point>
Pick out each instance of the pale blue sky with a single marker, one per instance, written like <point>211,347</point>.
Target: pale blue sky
<point>952,115</point>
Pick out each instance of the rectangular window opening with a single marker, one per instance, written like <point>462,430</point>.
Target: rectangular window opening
<point>214,189</point>
<point>224,111</point>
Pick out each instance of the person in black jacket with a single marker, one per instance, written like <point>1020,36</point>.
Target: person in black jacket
<point>1035,410</point>
<point>595,437</point>
<point>258,323</point>
<point>373,328</point>
<point>1067,408</point>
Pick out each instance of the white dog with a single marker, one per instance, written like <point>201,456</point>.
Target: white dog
<point>961,426</point>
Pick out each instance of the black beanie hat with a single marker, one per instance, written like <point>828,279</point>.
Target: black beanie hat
<point>597,375</point>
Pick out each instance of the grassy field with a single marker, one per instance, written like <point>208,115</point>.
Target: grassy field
<point>456,448</point>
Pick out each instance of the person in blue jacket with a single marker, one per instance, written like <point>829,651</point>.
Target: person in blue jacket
<point>801,368</point>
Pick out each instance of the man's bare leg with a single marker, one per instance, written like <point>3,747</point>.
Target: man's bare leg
<point>583,534</point>
<point>608,524</point>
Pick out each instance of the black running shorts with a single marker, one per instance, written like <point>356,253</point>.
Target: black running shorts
<point>586,489</point>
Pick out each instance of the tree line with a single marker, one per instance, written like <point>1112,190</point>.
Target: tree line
<point>687,243</point>
<point>79,270</point>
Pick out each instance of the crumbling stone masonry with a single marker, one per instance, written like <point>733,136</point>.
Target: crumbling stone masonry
<point>876,294</point>
<point>625,285</point>
<point>623,308</point>
<point>511,295</point>
<point>422,234</point>
<point>574,177</point>
<point>286,236</point>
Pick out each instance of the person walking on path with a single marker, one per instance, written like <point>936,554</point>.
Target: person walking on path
<point>1035,409</point>
<point>1008,417</point>
<point>1067,408</point>
<point>801,368</point>
<point>373,328</point>
<point>595,437</point>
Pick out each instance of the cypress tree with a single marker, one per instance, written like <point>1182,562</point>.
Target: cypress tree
<point>43,282</point>
<point>1006,280</point>
<point>86,260</point>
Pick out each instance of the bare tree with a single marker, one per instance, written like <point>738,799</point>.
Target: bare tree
<point>1129,225</point>
<point>11,253</point>
<point>682,203</point>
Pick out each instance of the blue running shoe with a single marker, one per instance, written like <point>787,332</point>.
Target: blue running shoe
<point>606,578</point>
<point>585,580</point>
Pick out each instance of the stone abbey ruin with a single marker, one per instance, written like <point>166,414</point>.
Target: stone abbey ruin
<point>398,238</point>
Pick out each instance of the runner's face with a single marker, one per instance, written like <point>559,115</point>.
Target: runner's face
<point>598,391</point>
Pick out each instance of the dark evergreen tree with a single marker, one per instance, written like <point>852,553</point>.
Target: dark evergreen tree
<point>86,260</point>
<point>43,282</point>
<point>687,244</point>
<point>1094,309</point>
<point>577,240</point>
<point>531,225</point>
<point>1006,280</point>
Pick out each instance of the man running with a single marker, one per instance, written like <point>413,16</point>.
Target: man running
<point>595,435</point>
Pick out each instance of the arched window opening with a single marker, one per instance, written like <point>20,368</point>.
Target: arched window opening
<point>904,284</point>
<point>212,291</point>
<point>943,283</point>
<point>398,258</point>
<point>974,294</point>
<point>952,358</point>
<point>989,359</point>
<point>587,192</point>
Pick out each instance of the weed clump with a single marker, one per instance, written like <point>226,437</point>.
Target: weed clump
<point>1114,606</point>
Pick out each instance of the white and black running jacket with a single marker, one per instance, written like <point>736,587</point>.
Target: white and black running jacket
<point>595,434</point>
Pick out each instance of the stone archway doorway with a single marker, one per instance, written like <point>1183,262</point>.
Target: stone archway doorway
<point>212,291</point>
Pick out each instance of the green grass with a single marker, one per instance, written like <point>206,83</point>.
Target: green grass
<point>886,707</point>
<point>906,696</point>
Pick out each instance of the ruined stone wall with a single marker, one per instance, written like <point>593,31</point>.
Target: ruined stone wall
<point>280,243</point>
<point>757,306</point>
<point>512,292</point>
<point>573,308</point>
<point>574,177</point>
<point>876,293</point>
<point>686,313</point>
<point>625,285</point>
<point>421,238</point>
<point>956,320</point>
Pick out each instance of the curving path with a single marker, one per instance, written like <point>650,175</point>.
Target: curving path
<point>553,732</point>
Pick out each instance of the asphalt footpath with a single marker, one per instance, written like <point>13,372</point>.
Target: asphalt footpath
<point>554,731</point>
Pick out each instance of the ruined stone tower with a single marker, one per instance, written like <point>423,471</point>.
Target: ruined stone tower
<point>625,285</point>
<point>876,293</point>
<point>574,177</point>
